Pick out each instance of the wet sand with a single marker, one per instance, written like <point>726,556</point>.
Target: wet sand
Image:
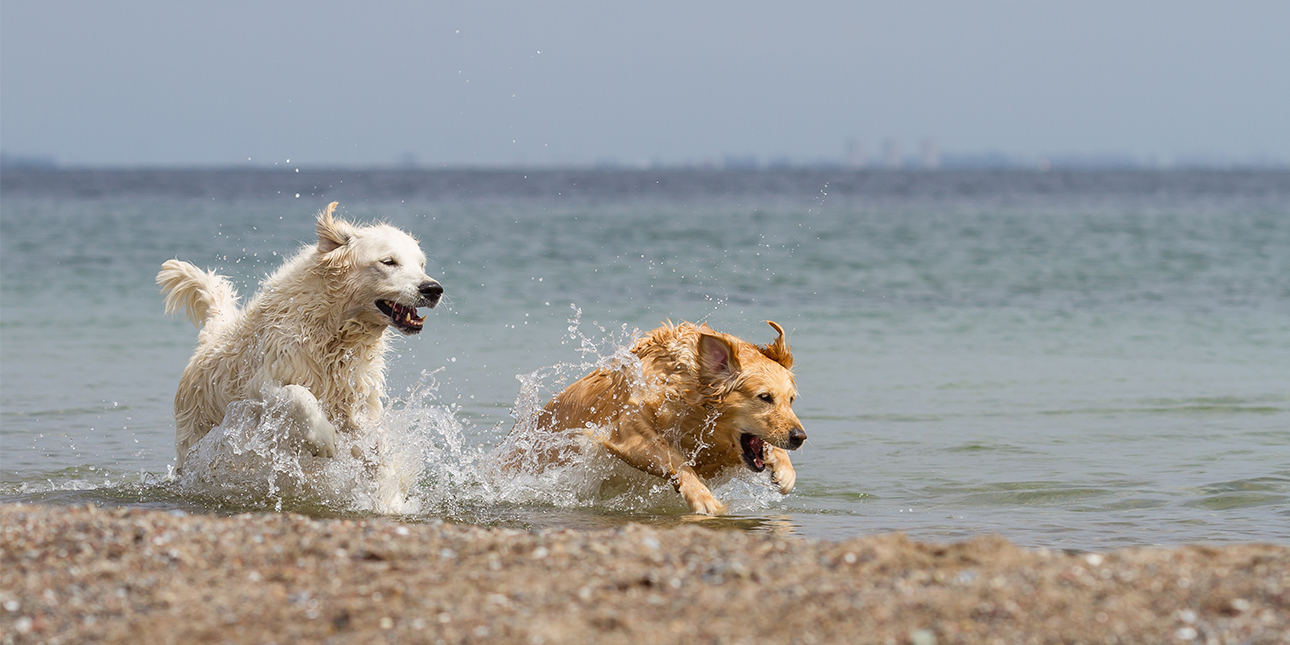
<point>77,575</point>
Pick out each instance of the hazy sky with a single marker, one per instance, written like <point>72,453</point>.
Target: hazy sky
<point>488,83</point>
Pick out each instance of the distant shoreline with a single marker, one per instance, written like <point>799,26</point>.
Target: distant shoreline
<point>78,574</point>
<point>806,187</point>
<point>43,164</point>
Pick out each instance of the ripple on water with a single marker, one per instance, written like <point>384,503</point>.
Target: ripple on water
<point>1242,493</point>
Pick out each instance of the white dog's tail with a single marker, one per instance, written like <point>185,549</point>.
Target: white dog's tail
<point>205,295</point>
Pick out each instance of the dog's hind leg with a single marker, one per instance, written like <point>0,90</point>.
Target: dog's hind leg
<point>301,420</point>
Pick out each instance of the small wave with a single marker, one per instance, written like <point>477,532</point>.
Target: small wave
<point>1242,493</point>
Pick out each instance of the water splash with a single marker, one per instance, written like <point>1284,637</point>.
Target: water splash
<point>421,459</point>
<point>534,466</point>
<point>251,459</point>
<point>572,469</point>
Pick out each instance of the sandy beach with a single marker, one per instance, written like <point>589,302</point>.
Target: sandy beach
<point>88,575</point>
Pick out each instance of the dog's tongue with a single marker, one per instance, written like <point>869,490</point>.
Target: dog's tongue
<point>759,449</point>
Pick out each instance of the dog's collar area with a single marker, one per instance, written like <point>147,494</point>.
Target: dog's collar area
<point>753,451</point>
<point>403,317</point>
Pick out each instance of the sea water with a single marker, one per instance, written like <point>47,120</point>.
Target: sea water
<point>1069,359</point>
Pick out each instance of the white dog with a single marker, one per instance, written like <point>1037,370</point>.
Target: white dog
<point>311,343</point>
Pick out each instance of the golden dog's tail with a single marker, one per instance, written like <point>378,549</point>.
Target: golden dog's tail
<point>205,295</point>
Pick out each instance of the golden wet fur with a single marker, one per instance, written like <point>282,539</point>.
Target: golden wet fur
<point>311,343</point>
<point>708,402</point>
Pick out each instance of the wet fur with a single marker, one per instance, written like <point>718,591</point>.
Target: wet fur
<point>311,343</point>
<point>701,390</point>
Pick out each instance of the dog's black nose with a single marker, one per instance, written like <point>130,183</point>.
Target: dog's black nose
<point>431,291</point>
<point>795,438</point>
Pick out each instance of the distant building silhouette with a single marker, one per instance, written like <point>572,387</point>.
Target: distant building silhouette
<point>854,154</point>
<point>408,159</point>
<point>891,153</point>
<point>931,154</point>
<point>42,162</point>
<point>740,162</point>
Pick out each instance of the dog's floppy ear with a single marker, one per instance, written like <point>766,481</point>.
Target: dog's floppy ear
<point>778,351</point>
<point>332,233</point>
<point>717,359</point>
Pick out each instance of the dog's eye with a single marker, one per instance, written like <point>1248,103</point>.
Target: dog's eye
<point>390,262</point>
<point>766,397</point>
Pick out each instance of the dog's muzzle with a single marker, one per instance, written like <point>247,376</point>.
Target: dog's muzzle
<point>404,317</point>
<point>431,291</point>
<point>753,448</point>
<point>796,437</point>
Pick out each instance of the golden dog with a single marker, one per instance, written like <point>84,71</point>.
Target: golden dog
<point>708,402</point>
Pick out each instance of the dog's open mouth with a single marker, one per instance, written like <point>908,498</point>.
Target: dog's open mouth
<point>403,316</point>
<point>754,449</point>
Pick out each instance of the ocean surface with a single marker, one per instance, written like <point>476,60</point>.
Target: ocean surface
<point>1081,360</point>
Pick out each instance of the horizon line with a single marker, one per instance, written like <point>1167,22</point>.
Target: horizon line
<point>38,163</point>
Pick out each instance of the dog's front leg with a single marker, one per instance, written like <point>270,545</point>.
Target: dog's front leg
<point>696,493</point>
<point>302,419</point>
<point>781,468</point>
<point>648,452</point>
<point>371,413</point>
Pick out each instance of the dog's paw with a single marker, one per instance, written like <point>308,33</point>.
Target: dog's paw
<point>700,499</point>
<point>707,506</point>
<point>781,469</point>
<point>320,439</point>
